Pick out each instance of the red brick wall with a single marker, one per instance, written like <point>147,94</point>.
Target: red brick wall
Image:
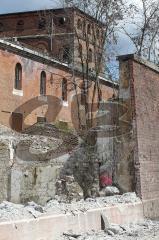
<point>10,102</point>
<point>31,29</point>
<point>140,87</point>
<point>146,89</point>
<point>62,34</point>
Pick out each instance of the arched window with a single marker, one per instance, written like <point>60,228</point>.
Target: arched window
<point>90,55</point>
<point>18,77</point>
<point>79,24</point>
<point>43,83</point>
<point>64,89</point>
<point>88,29</point>
<point>20,25</point>
<point>80,50</point>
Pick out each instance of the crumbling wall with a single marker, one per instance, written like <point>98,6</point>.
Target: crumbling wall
<point>28,169</point>
<point>34,181</point>
<point>35,172</point>
<point>124,141</point>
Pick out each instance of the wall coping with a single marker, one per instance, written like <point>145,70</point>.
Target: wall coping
<point>140,60</point>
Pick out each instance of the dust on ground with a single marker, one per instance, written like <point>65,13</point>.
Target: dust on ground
<point>147,230</point>
<point>11,212</point>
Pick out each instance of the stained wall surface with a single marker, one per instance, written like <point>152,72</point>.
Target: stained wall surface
<point>146,85</point>
<point>139,91</point>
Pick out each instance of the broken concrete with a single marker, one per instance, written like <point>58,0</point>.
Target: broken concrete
<point>31,163</point>
<point>56,218</point>
<point>143,231</point>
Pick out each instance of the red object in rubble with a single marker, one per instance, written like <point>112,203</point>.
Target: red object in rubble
<point>105,181</point>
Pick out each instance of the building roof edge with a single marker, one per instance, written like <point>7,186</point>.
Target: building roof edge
<point>140,60</point>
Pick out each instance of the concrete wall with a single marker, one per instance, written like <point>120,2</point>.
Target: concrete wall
<point>51,227</point>
<point>35,181</point>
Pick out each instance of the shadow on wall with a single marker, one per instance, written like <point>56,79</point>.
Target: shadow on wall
<point>32,104</point>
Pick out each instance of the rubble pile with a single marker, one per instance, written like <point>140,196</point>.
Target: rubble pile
<point>11,211</point>
<point>147,230</point>
<point>68,139</point>
<point>41,138</point>
<point>67,189</point>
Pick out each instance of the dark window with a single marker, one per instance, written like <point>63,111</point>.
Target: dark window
<point>80,50</point>
<point>18,76</point>
<point>42,23</point>
<point>97,33</point>
<point>62,20</point>
<point>79,24</point>
<point>90,55</point>
<point>20,25</point>
<point>83,99</point>
<point>99,58</point>
<point>1,27</point>
<point>64,89</point>
<point>89,29</point>
<point>100,95</point>
<point>66,54</point>
<point>43,83</point>
<point>84,29</point>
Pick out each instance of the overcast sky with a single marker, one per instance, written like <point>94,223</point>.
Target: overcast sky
<point>7,6</point>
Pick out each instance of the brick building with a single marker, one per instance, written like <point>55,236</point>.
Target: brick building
<point>40,60</point>
<point>63,33</point>
<point>35,85</point>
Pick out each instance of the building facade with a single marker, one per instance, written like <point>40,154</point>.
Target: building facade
<point>65,34</point>
<point>44,54</point>
<point>36,87</point>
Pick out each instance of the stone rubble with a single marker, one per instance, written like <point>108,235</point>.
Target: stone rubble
<point>148,230</point>
<point>10,211</point>
<point>41,138</point>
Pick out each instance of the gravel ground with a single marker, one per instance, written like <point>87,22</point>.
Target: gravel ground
<point>148,230</point>
<point>55,206</point>
<point>10,211</point>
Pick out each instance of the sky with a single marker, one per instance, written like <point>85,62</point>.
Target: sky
<point>7,6</point>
